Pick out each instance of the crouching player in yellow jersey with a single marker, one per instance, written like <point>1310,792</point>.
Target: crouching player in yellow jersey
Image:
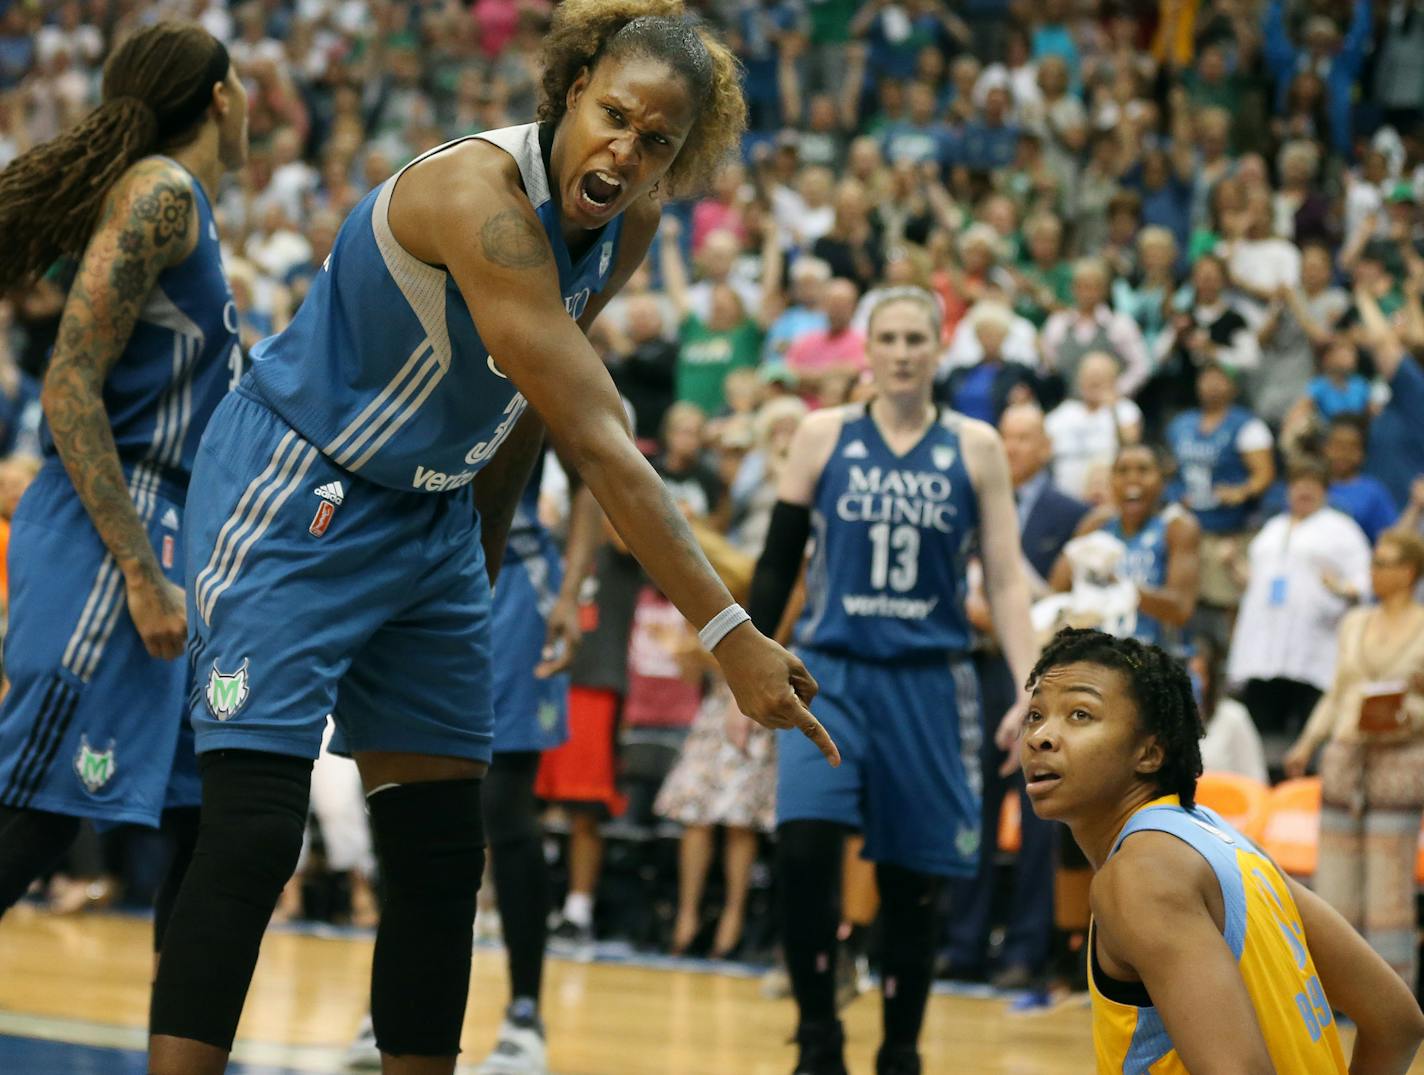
<point>1205,958</point>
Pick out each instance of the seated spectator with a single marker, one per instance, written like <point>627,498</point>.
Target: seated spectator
<point>1091,326</point>
<point>983,390</point>
<point>717,265</point>
<point>803,312</point>
<point>1372,768</point>
<point>1207,328</point>
<point>1363,498</point>
<point>722,209</point>
<point>643,362</point>
<point>825,359</point>
<point>965,348</point>
<point>850,246</point>
<point>991,140</point>
<point>1298,322</point>
<point>1339,388</point>
<point>1231,743</point>
<point>1304,569</point>
<point>1087,431</point>
<point>1045,281</point>
<point>919,138</point>
<point>1147,297</point>
<point>683,465</point>
<point>708,348</point>
<point>1224,462</point>
<point>1302,211</point>
<point>1259,263</point>
<point>1396,451</point>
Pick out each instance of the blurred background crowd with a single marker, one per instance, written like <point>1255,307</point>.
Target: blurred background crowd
<point>1192,225</point>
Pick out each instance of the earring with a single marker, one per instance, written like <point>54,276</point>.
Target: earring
<point>654,192</point>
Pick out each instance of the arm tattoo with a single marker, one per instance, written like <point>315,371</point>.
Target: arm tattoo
<point>510,240</point>
<point>137,238</point>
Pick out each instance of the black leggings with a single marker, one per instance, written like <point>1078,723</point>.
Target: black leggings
<point>31,844</point>
<point>810,859</point>
<point>521,876</point>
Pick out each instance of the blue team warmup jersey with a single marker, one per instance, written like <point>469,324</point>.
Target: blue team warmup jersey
<point>1146,565</point>
<point>93,725</point>
<point>1207,460</point>
<point>892,535</point>
<point>324,576</point>
<point>409,397</point>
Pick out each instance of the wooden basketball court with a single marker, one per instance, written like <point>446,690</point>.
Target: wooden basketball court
<point>74,999</point>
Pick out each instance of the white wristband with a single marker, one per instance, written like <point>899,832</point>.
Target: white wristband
<point>721,625</point>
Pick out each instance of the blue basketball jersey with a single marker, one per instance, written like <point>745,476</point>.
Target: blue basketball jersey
<point>382,367</point>
<point>1205,461</point>
<point>180,361</point>
<point>1146,565</point>
<point>892,534</point>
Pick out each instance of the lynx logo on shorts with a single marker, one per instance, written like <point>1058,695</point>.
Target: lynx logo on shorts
<point>94,767</point>
<point>966,842</point>
<point>227,693</point>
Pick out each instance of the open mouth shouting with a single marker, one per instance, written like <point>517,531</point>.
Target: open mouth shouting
<point>598,192</point>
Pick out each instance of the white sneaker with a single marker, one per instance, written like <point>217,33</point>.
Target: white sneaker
<point>519,1051</point>
<point>362,1055</point>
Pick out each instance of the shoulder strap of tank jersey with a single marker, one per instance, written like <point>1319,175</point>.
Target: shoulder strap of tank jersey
<point>192,180</point>
<point>1213,840</point>
<point>522,143</point>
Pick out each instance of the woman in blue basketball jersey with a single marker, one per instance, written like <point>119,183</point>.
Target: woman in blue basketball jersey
<point>94,724</point>
<point>356,490</point>
<point>1161,543</point>
<point>1204,957</point>
<point>895,493</point>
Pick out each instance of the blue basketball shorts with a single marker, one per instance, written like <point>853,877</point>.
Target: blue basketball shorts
<point>909,778</point>
<point>93,726</point>
<point>529,713</point>
<point>313,591</point>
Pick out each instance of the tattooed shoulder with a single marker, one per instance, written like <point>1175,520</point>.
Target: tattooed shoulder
<point>152,219</point>
<point>510,239</point>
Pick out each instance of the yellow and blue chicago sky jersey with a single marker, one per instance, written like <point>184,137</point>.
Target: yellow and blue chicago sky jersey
<point>382,367</point>
<point>1265,934</point>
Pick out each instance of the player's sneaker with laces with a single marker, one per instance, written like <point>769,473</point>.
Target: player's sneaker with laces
<point>897,1060</point>
<point>572,941</point>
<point>520,1048</point>
<point>362,1054</point>
<point>822,1049</point>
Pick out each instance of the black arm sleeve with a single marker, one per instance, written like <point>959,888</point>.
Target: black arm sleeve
<point>779,565</point>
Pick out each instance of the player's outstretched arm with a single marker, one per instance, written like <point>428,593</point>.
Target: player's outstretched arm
<point>149,223</point>
<point>1151,916</point>
<point>477,222</point>
<point>1389,1024</point>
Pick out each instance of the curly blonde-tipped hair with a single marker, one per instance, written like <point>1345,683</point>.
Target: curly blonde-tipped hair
<point>584,32</point>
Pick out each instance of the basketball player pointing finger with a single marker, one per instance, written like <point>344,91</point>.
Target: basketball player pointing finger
<point>455,294</point>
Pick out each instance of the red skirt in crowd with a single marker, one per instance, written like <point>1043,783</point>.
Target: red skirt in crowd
<point>584,769</point>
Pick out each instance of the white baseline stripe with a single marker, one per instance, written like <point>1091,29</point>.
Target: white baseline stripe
<point>235,518</point>
<point>308,458</point>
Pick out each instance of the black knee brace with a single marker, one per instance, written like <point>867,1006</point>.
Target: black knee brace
<point>429,842</point>
<point>510,810</point>
<point>250,834</point>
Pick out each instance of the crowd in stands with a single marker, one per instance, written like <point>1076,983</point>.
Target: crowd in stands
<point>1190,225</point>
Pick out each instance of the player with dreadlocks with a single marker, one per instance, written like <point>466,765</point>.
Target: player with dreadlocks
<point>1203,955</point>
<point>94,725</point>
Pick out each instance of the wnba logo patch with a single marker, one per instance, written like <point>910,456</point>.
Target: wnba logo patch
<point>168,547</point>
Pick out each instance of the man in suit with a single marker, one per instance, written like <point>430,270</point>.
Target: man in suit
<point>1047,520</point>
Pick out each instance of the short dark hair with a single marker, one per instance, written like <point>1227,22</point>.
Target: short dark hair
<point>1166,704</point>
<point>1308,468</point>
<point>1360,423</point>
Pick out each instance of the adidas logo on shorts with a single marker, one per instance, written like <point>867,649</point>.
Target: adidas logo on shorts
<point>332,491</point>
